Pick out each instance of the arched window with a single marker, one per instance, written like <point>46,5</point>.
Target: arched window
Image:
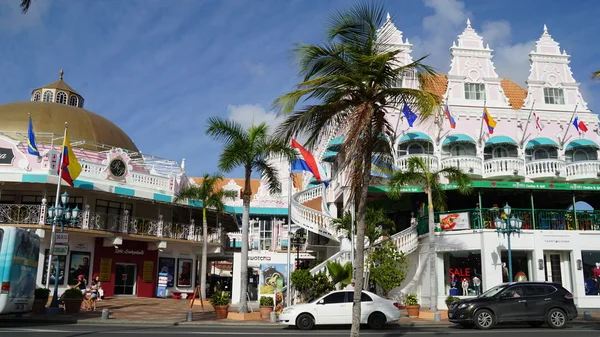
<point>499,152</point>
<point>415,148</point>
<point>48,96</point>
<point>73,101</point>
<point>36,96</point>
<point>61,98</point>
<point>580,155</point>
<point>540,154</point>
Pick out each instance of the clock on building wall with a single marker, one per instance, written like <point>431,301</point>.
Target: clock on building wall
<point>118,168</point>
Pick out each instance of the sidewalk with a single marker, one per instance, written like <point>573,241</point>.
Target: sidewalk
<point>133,310</point>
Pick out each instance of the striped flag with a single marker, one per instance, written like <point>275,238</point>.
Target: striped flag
<point>538,122</point>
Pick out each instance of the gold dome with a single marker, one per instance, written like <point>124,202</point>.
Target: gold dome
<point>49,117</point>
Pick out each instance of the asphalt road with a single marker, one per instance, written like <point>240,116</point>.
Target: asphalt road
<point>268,331</point>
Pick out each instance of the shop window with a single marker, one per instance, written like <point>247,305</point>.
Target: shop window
<point>520,266</point>
<point>462,273</point>
<point>591,272</point>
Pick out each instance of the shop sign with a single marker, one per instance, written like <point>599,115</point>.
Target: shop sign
<point>129,251</point>
<point>61,238</point>
<point>454,221</point>
<point>148,272</point>
<point>81,246</point>
<point>105,269</point>
<point>500,184</point>
<point>61,250</point>
<point>6,156</point>
<point>460,272</point>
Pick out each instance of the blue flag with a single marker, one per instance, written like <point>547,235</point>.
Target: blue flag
<point>31,147</point>
<point>411,117</point>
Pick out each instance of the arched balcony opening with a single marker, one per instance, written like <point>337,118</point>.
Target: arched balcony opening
<point>460,151</point>
<point>415,144</point>
<point>501,159</point>
<point>541,158</point>
<point>582,163</point>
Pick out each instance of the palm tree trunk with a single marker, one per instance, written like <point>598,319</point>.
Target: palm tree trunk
<point>244,259</point>
<point>359,257</point>
<point>204,254</point>
<point>433,289</point>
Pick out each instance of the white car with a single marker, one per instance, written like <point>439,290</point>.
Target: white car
<point>336,308</point>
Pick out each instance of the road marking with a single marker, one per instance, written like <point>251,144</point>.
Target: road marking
<point>41,330</point>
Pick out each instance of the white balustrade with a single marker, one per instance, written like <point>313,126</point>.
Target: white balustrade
<point>340,257</point>
<point>430,160</point>
<point>92,169</point>
<point>583,170</point>
<point>147,180</point>
<point>311,219</point>
<point>546,168</point>
<point>499,167</point>
<point>468,164</point>
<point>406,241</point>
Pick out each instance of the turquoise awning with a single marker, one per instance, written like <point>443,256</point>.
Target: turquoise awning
<point>458,138</point>
<point>335,143</point>
<point>540,142</point>
<point>500,140</point>
<point>414,136</point>
<point>329,156</point>
<point>581,143</point>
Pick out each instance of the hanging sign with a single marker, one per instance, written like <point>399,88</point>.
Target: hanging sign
<point>105,269</point>
<point>61,238</point>
<point>6,156</point>
<point>61,250</point>
<point>148,272</point>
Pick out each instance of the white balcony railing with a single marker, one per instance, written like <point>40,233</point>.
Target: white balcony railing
<point>311,219</point>
<point>429,159</point>
<point>583,170</point>
<point>545,168</point>
<point>468,164</point>
<point>502,167</point>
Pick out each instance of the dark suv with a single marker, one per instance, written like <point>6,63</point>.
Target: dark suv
<point>531,302</point>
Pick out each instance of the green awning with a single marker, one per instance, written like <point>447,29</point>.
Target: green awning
<point>329,156</point>
<point>581,143</point>
<point>500,140</point>
<point>540,142</point>
<point>458,138</point>
<point>336,143</point>
<point>414,136</point>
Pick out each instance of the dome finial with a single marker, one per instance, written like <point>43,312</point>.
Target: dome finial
<point>61,74</point>
<point>468,23</point>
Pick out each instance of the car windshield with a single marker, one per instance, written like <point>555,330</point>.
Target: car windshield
<point>492,292</point>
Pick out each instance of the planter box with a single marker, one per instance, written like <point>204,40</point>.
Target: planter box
<point>265,312</point>
<point>413,310</point>
<point>221,311</point>
<point>39,306</point>
<point>72,306</point>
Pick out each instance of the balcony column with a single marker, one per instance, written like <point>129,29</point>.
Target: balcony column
<point>86,218</point>
<point>192,232</point>
<point>43,212</point>
<point>159,229</point>
<point>532,212</point>
<point>125,224</point>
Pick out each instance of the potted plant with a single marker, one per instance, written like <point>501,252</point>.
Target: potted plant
<point>41,296</point>
<point>266,307</point>
<point>451,299</point>
<point>220,301</point>
<point>72,299</point>
<point>412,305</point>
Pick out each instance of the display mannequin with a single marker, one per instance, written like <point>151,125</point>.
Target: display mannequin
<point>465,287</point>
<point>505,277</point>
<point>597,277</point>
<point>477,285</point>
<point>453,291</point>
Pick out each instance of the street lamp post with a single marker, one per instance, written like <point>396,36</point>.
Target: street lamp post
<point>508,227</point>
<point>298,240</point>
<point>60,215</point>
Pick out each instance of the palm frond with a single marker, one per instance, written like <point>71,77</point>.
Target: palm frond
<point>596,75</point>
<point>404,178</point>
<point>270,174</point>
<point>225,130</point>
<point>25,4</point>
<point>458,177</point>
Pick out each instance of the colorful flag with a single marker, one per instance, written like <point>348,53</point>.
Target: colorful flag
<point>31,147</point>
<point>579,125</point>
<point>538,122</point>
<point>70,167</point>
<point>411,117</point>
<point>307,163</point>
<point>450,118</point>
<point>489,120</point>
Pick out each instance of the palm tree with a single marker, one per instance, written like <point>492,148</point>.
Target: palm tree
<point>351,82</point>
<point>376,224</point>
<point>211,197</point>
<point>25,4</point>
<point>250,149</point>
<point>419,173</point>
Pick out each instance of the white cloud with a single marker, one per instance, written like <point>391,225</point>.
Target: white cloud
<point>447,22</point>
<point>249,114</point>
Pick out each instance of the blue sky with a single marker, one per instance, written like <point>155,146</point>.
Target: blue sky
<point>158,69</point>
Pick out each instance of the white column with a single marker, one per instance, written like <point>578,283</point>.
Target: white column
<point>159,230</point>
<point>86,218</point>
<point>43,212</point>
<point>125,224</point>
<point>491,261</point>
<point>192,232</point>
<point>578,281</point>
<point>537,254</point>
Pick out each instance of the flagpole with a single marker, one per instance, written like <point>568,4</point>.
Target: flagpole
<point>289,230</point>
<point>562,141</point>
<point>53,236</point>
<point>526,125</point>
<point>481,128</point>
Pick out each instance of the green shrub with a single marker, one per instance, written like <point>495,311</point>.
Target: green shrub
<point>321,285</point>
<point>42,294</point>
<point>451,299</point>
<point>411,299</point>
<point>302,280</point>
<point>388,266</point>
<point>219,298</point>
<point>73,294</point>
<point>266,301</point>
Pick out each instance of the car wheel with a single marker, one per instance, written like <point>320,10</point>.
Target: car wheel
<point>557,319</point>
<point>376,321</point>
<point>305,322</point>
<point>535,324</point>
<point>484,319</point>
<point>466,325</point>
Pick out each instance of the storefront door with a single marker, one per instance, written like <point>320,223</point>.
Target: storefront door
<point>125,277</point>
<point>558,268</point>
